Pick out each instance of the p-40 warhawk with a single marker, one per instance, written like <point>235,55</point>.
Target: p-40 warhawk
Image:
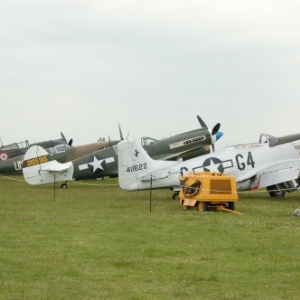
<point>41,168</point>
<point>267,162</point>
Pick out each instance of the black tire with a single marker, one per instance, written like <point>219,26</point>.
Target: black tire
<point>231,205</point>
<point>175,196</point>
<point>275,192</point>
<point>63,186</point>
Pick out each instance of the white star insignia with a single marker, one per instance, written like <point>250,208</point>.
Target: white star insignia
<point>97,164</point>
<point>213,167</point>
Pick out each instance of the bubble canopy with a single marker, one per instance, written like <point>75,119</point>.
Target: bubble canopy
<point>253,138</point>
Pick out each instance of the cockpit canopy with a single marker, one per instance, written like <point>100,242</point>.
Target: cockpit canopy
<point>256,138</point>
<point>58,149</point>
<point>15,146</point>
<point>148,141</point>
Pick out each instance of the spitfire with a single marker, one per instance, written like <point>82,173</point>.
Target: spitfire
<point>267,162</point>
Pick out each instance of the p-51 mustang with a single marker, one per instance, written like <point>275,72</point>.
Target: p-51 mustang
<point>40,168</point>
<point>267,162</point>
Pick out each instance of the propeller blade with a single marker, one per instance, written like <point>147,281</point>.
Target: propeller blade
<point>216,129</point>
<point>203,125</point>
<point>109,141</point>
<point>120,131</point>
<point>70,142</point>
<point>213,147</point>
<point>62,135</point>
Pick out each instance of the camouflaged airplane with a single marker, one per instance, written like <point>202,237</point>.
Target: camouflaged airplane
<point>61,152</point>
<point>18,149</point>
<point>39,167</point>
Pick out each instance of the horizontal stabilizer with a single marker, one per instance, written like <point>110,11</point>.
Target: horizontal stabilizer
<point>54,166</point>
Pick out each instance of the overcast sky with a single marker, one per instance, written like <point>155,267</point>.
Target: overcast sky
<point>81,67</point>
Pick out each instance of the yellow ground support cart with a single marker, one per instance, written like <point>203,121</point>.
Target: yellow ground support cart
<point>208,191</point>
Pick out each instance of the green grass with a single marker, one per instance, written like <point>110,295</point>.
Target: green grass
<point>95,241</point>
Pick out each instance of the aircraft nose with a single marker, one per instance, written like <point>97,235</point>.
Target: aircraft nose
<point>219,135</point>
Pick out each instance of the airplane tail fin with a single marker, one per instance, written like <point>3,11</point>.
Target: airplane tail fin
<point>135,166</point>
<point>39,169</point>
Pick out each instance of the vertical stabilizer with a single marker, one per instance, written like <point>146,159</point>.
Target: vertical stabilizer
<point>39,169</point>
<point>135,166</point>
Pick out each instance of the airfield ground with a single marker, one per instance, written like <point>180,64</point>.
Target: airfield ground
<point>95,241</point>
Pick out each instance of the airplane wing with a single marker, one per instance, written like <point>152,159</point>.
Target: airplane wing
<point>273,174</point>
<point>275,177</point>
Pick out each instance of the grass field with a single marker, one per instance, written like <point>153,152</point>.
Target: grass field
<point>95,241</point>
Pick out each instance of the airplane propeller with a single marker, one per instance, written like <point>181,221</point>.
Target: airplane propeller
<point>70,141</point>
<point>214,130</point>
<point>121,134</point>
<point>203,125</point>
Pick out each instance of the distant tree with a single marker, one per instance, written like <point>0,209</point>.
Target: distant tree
<point>101,139</point>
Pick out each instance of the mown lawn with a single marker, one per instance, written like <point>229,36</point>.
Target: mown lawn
<point>95,241</point>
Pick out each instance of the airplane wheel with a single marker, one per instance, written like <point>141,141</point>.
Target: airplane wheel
<point>231,205</point>
<point>277,194</point>
<point>175,196</point>
<point>274,192</point>
<point>203,206</point>
<point>63,186</point>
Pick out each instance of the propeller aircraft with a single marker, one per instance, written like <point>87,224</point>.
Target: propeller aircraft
<point>18,149</point>
<point>41,168</point>
<point>62,153</point>
<point>268,162</point>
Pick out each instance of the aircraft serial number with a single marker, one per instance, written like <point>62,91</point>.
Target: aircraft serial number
<point>36,161</point>
<point>136,168</point>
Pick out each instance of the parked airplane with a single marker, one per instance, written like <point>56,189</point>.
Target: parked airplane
<point>267,162</point>
<point>40,168</point>
<point>62,153</point>
<point>17,149</point>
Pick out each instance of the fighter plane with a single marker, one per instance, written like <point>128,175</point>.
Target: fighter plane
<point>62,153</point>
<point>267,161</point>
<point>40,168</point>
<point>18,149</point>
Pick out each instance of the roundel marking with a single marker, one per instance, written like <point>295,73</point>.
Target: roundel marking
<point>213,164</point>
<point>3,156</point>
<point>96,164</point>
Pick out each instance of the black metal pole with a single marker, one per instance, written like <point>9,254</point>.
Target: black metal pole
<point>54,187</point>
<point>151,194</point>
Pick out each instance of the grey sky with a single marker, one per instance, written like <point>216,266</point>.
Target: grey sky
<point>81,67</point>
